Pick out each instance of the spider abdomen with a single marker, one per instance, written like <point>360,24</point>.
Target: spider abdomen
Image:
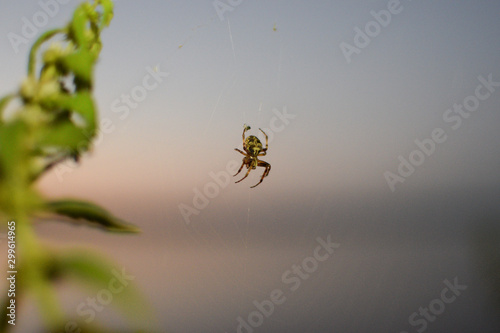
<point>253,145</point>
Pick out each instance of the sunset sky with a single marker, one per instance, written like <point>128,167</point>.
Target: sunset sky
<point>351,94</point>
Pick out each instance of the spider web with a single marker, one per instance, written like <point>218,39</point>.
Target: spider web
<point>245,275</point>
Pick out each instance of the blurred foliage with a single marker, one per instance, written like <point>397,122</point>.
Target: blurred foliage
<point>50,119</point>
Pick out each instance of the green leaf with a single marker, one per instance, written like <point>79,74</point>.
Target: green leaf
<point>14,170</point>
<point>83,104</point>
<point>11,147</point>
<point>78,26</point>
<point>103,277</point>
<point>81,64</point>
<point>66,136</point>
<point>91,213</point>
<point>107,14</point>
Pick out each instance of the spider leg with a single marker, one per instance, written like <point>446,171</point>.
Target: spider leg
<point>246,175</point>
<point>240,151</point>
<point>263,151</point>
<point>245,128</point>
<point>267,139</point>
<point>266,172</point>
<point>241,167</point>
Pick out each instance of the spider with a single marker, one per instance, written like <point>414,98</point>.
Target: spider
<point>252,149</point>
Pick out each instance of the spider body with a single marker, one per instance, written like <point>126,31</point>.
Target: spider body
<point>252,150</point>
<point>253,144</point>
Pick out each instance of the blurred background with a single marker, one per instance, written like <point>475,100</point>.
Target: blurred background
<point>344,90</point>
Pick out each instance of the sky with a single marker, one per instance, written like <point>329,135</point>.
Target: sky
<point>383,123</point>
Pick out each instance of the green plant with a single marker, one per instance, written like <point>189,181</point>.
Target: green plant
<point>51,118</point>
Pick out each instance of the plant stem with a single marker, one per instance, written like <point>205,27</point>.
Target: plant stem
<point>33,52</point>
